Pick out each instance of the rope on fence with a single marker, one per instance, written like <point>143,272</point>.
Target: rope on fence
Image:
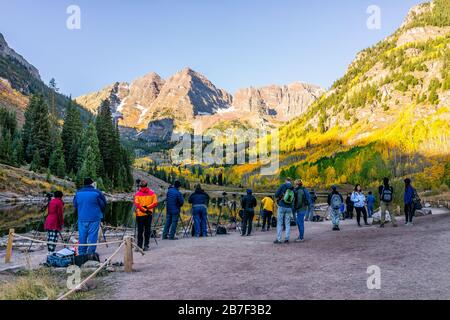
<point>104,264</point>
<point>66,244</point>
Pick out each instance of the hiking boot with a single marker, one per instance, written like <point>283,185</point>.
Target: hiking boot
<point>337,228</point>
<point>299,240</point>
<point>359,225</point>
<point>366,224</point>
<point>286,241</point>
<point>277,242</point>
<point>382,225</point>
<point>146,248</point>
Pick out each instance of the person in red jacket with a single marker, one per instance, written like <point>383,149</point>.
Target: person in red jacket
<point>55,220</point>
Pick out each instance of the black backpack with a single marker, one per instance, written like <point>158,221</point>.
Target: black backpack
<point>387,194</point>
<point>221,230</point>
<point>417,202</point>
<point>273,222</point>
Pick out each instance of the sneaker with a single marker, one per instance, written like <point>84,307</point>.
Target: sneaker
<point>382,225</point>
<point>249,235</point>
<point>395,226</point>
<point>366,224</point>
<point>299,240</point>
<point>337,228</point>
<point>174,238</point>
<point>286,241</point>
<point>277,242</point>
<point>165,238</point>
<point>359,225</point>
<point>146,248</point>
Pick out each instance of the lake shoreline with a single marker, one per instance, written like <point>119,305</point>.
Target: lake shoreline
<point>9,197</point>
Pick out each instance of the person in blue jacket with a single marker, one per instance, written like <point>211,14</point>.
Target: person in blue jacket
<point>408,200</point>
<point>370,204</point>
<point>90,203</point>
<point>199,200</point>
<point>174,202</point>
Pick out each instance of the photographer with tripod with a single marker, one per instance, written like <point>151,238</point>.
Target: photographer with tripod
<point>145,201</point>
<point>248,204</point>
<point>55,220</point>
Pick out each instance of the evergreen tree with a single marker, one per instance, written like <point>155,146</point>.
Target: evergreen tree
<point>89,156</point>
<point>108,144</point>
<point>36,163</point>
<point>71,137</point>
<point>57,164</point>
<point>36,131</point>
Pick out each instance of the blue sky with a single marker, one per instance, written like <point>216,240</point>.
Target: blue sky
<point>235,43</point>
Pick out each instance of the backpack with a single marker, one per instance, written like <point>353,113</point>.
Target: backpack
<point>57,261</point>
<point>289,196</point>
<point>336,201</point>
<point>221,230</point>
<point>417,202</point>
<point>302,201</point>
<point>273,223</point>
<point>386,194</point>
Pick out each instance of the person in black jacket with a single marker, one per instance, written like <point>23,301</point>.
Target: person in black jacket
<point>199,200</point>
<point>248,204</point>
<point>350,207</point>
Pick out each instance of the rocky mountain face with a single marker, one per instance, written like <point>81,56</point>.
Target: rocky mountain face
<point>154,107</point>
<point>6,51</point>
<point>281,102</point>
<point>19,79</point>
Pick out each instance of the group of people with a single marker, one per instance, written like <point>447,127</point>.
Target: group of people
<point>294,202</point>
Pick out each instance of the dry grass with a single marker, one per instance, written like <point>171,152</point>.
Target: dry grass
<point>32,285</point>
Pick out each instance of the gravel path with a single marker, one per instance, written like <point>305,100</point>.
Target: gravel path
<point>414,263</point>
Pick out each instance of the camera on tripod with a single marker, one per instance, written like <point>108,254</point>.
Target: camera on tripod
<point>48,195</point>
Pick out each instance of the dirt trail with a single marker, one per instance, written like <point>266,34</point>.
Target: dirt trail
<point>329,265</point>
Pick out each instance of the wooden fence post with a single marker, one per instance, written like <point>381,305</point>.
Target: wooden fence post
<point>9,246</point>
<point>128,258</point>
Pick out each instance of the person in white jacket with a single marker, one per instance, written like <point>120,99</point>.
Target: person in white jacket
<point>359,200</point>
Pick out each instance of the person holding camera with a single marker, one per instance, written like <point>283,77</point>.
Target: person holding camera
<point>248,204</point>
<point>90,204</point>
<point>145,201</point>
<point>174,202</point>
<point>199,201</point>
<point>55,220</point>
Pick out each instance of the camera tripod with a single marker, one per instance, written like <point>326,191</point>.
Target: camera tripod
<point>190,225</point>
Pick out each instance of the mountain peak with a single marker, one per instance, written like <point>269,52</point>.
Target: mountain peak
<point>7,52</point>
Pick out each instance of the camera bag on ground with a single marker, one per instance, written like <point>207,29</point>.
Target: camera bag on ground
<point>61,259</point>
<point>221,230</point>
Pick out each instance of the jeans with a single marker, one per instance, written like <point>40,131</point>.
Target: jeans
<point>248,222</point>
<point>267,218</point>
<point>199,214</point>
<point>88,233</point>
<point>387,206</point>
<point>409,212</point>
<point>335,216</point>
<point>171,224</point>
<point>144,226</point>
<point>310,213</point>
<point>370,211</point>
<point>284,216</point>
<point>301,223</point>
<point>359,211</point>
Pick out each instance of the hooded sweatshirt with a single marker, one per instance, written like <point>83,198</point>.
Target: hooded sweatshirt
<point>145,201</point>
